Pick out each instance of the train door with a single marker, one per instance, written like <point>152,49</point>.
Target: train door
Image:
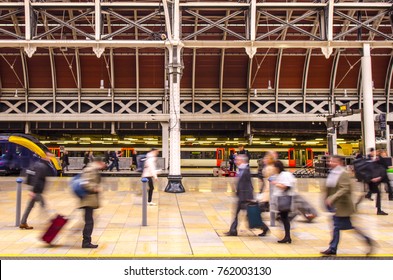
<point>220,156</point>
<point>291,157</point>
<point>309,157</point>
<point>55,151</point>
<point>127,152</point>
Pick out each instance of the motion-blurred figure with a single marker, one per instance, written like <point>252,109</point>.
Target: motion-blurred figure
<point>339,200</point>
<point>243,151</point>
<point>150,172</point>
<point>244,192</point>
<point>65,162</point>
<point>92,178</point>
<point>41,169</point>
<point>283,185</point>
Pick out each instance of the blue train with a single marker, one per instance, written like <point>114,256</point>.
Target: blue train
<point>19,151</point>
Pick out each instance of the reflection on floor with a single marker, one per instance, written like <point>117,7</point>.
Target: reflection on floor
<point>181,225</point>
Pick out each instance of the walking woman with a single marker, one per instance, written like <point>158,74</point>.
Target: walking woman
<point>283,185</point>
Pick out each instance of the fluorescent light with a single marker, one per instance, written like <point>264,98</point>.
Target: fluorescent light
<point>286,142</point>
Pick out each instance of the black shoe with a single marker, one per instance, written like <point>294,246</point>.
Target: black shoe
<point>380,212</point>
<point>89,245</point>
<point>368,196</point>
<point>264,232</point>
<point>25,226</point>
<point>329,252</point>
<point>371,244</point>
<point>390,198</point>
<point>231,233</point>
<point>285,240</point>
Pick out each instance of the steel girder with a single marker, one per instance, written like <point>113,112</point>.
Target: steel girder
<point>223,25</point>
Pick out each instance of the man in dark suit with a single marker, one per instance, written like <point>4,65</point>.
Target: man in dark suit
<point>339,201</point>
<point>244,192</point>
<point>40,171</point>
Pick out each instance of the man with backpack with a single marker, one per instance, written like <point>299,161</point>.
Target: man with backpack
<point>91,177</point>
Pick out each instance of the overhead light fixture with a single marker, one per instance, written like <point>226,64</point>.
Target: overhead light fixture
<point>101,84</point>
<point>269,85</point>
<point>255,92</point>
<point>16,93</point>
<point>109,92</point>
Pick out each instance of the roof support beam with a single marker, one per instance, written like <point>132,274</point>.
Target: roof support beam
<point>215,24</point>
<point>364,24</point>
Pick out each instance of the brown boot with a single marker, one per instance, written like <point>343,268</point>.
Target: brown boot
<point>25,226</point>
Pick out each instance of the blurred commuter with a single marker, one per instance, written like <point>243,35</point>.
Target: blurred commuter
<point>85,160</point>
<point>269,172</point>
<point>378,175</point>
<point>91,176</point>
<point>107,159</point>
<point>150,172</point>
<point>284,184</point>
<point>91,156</point>
<point>243,151</point>
<point>231,159</point>
<point>386,162</point>
<point>65,161</point>
<point>244,192</point>
<point>115,161</point>
<point>339,201</point>
<point>261,166</point>
<point>41,170</point>
<point>134,164</point>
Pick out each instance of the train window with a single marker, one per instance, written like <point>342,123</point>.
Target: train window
<point>196,155</point>
<point>210,155</point>
<point>283,155</point>
<point>254,155</point>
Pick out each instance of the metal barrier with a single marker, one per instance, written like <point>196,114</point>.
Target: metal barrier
<point>144,201</point>
<point>18,200</point>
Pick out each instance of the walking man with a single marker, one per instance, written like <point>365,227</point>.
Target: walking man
<point>339,200</point>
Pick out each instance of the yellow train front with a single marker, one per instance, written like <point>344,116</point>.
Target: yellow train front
<point>19,151</point>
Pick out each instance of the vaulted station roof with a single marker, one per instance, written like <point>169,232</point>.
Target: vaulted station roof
<point>288,37</point>
<point>271,51</point>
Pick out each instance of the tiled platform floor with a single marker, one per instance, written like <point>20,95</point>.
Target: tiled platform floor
<point>189,224</point>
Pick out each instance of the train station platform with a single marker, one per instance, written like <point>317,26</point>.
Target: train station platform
<point>190,224</point>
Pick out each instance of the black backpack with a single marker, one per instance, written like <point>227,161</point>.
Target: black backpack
<point>364,169</point>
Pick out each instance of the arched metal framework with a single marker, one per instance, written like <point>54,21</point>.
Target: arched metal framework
<point>106,61</point>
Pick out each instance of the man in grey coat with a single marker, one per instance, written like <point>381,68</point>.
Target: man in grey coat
<point>339,201</point>
<point>92,178</point>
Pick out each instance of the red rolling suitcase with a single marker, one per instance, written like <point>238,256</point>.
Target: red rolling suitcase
<point>54,228</point>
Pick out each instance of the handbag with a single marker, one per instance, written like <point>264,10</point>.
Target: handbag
<point>284,203</point>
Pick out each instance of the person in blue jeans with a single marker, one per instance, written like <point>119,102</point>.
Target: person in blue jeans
<point>339,201</point>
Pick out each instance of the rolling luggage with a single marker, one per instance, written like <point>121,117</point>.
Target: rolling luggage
<point>254,215</point>
<point>55,226</point>
<point>305,208</point>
